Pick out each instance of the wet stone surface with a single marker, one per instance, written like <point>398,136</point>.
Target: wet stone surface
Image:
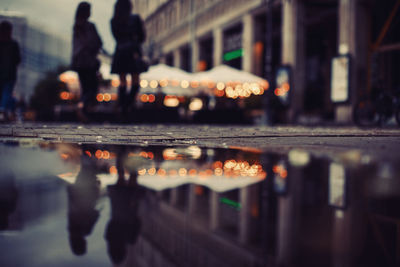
<point>97,204</point>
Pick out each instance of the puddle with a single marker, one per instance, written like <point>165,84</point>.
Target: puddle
<point>98,205</point>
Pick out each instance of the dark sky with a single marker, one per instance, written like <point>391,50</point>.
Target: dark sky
<point>58,15</point>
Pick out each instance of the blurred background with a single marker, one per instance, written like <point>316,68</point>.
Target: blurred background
<point>218,61</point>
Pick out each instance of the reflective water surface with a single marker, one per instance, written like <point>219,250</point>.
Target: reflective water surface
<point>108,205</point>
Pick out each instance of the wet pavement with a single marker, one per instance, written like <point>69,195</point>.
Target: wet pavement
<point>188,200</point>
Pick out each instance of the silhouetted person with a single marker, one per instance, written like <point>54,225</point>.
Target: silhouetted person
<point>124,225</point>
<point>82,200</point>
<point>129,34</point>
<point>86,44</point>
<point>9,60</point>
<point>8,197</point>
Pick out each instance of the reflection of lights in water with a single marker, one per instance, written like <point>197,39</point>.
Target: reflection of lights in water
<point>107,97</point>
<point>152,171</point>
<point>298,157</point>
<point>196,104</point>
<point>182,172</point>
<point>163,82</point>
<point>153,84</point>
<point>184,84</point>
<point>113,170</point>
<point>144,83</point>
<point>194,151</point>
<point>169,154</point>
<point>171,101</point>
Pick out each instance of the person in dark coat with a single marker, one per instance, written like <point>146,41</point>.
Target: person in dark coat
<point>124,226</point>
<point>129,34</point>
<point>86,44</point>
<point>9,60</point>
<point>82,200</point>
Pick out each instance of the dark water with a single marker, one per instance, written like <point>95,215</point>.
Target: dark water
<point>104,205</point>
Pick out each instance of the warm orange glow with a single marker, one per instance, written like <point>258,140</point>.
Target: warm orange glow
<point>151,171</point>
<point>162,172</point>
<point>150,155</point>
<point>283,173</point>
<point>163,82</point>
<point>144,98</point>
<point>265,85</point>
<point>285,87</point>
<point>64,156</point>
<point>175,83</point>
<point>258,48</point>
<point>182,172</point>
<point>152,98</point>
<point>114,96</point>
<point>143,154</point>
<point>106,154</point>
<point>100,97</point>
<point>217,164</point>
<point>210,85</point>
<point>219,93</point>
<point>107,97</point>
<point>99,154</point>
<point>173,173</point>
<point>115,83</point>
<point>113,170</point>
<point>218,172</point>
<point>199,190</point>
<point>64,95</point>
<point>87,152</point>
<point>202,65</point>
<point>192,172</point>
<point>194,84</point>
<point>142,172</point>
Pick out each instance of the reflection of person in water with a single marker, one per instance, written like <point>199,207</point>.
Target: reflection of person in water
<point>82,199</point>
<point>8,198</point>
<point>124,225</point>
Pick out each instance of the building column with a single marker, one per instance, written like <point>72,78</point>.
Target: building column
<point>218,43</point>
<point>353,41</point>
<point>288,220</point>
<point>293,52</point>
<point>177,58</point>
<point>214,212</point>
<point>247,42</point>
<point>192,199</point>
<point>195,55</point>
<point>244,215</point>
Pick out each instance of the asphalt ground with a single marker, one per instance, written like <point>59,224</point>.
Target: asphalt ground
<point>379,142</point>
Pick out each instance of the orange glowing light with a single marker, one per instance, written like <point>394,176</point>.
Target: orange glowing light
<point>100,97</point>
<point>144,98</point>
<point>151,171</point>
<point>192,172</point>
<point>283,173</point>
<point>106,154</point>
<point>64,156</point>
<point>115,83</point>
<point>163,82</point>
<point>217,164</point>
<point>107,97</point>
<point>194,84</point>
<point>173,173</point>
<point>152,98</point>
<point>64,95</point>
<point>285,87</point>
<point>114,96</point>
<point>150,155</point>
<point>199,190</point>
<point>182,172</point>
<point>142,172</point>
<point>162,172</point>
<point>87,152</point>
<point>99,154</point>
<point>113,170</point>
<point>143,154</point>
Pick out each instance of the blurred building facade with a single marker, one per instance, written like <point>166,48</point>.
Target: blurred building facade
<point>259,36</point>
<point>41,51</point>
